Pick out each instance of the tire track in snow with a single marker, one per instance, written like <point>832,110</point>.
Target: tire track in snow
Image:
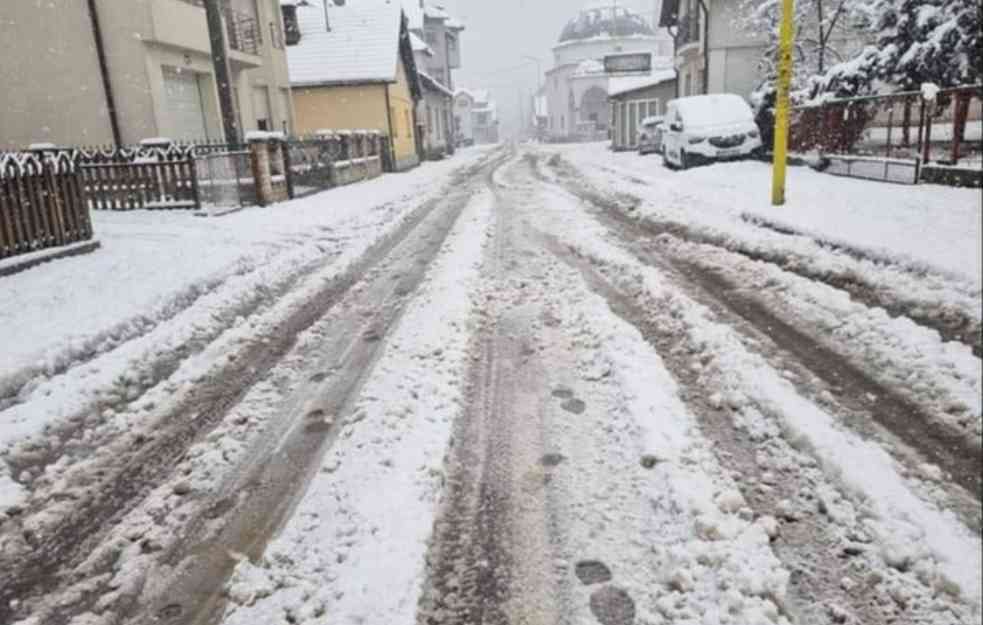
<point>951,323</point>
<point>489,559</point>
<point>952,450</point>
<point>134,466</point>
<point>831,528</point>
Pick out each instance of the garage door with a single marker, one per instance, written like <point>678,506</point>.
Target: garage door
<point>183,103</point>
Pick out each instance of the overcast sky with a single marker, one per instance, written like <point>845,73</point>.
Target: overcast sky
<point>500,32</point>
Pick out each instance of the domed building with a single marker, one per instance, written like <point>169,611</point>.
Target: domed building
<point>577,87</point>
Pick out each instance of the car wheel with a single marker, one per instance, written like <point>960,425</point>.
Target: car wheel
<point>684,161</point>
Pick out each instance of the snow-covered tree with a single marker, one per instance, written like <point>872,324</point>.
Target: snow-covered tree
<point>827,32</point>
<point>917,41</point>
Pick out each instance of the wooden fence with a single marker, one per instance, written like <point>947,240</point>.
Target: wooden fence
<point>131,186</point>
<point>42,205</point>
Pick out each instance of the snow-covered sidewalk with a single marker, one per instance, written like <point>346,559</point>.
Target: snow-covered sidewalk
<point>153,265</point>
<point>929,226</point>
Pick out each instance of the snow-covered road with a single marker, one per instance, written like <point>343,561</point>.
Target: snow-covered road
<point>529,385</point>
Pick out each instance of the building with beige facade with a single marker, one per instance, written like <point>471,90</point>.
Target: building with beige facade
<point>352,68</point>
<point>158,71</point>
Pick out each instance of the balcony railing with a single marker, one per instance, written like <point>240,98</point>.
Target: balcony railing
<point>243,31</point>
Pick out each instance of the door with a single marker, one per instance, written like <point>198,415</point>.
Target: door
<point>261,108</point>
<point>183,105</point>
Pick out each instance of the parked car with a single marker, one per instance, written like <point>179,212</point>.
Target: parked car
<point>708,127</point>
<point>650,135</point>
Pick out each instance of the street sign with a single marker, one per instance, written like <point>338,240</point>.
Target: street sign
<point>640,63</point>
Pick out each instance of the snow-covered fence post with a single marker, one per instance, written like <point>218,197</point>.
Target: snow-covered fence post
<point>930,93</point>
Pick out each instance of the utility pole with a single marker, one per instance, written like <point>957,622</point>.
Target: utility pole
<point>786,36</point>
<point>223,79</point>
<point>107,85</point>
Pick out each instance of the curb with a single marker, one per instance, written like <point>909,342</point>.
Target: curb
<point>55,254</point>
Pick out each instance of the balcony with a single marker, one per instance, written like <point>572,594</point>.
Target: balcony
<point>183,24</point>
<point>243,32</point>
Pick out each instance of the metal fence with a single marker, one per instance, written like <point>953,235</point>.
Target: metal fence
<point>330,159</point>
<point>225,179</point>
<point>893,137</point>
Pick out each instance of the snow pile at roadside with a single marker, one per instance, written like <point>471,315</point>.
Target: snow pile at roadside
<point>911,533</point>
<point>945,377</point>
<point>369,511</point>
<point>924,226</point>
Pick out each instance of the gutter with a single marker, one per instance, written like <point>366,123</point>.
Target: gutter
<point>706,47</point>
<point>104,71</point>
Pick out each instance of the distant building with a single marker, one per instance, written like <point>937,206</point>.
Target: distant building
<point>158,76</point>
<point>463,117</point>
<point>341,86</point>
<point>436,38</point>
<point>577,86</point>
<point>482,112</point>
<point>632,100</point>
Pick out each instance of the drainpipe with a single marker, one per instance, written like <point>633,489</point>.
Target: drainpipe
<point>706,47</point>
<point>104,71</point>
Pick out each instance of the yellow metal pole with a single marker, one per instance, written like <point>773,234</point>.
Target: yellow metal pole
<point>786,35</point>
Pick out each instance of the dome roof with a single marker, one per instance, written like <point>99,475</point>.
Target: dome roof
<point>605,19</point>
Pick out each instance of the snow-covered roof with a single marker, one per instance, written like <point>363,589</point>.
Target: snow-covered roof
<point>433,84</point>
<point>605,18</point>
<point>415,14</point>
<point>362,44</point>
<point>419,45</point>
<point>623,84</point>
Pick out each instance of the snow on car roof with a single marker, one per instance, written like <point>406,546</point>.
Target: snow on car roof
<point>704,110</point>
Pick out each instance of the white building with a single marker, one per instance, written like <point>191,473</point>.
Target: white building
<point>577,86</point>
<point>475,116</point>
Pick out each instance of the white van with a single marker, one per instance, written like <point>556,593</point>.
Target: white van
<point>708,127</point>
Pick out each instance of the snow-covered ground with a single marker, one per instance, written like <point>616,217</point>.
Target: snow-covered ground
<point>494,383</point>
<point>79,331</point>
<point>368,513</point>
<point>152,263</point>
<point>908,532</point>
<point>932,226</point>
